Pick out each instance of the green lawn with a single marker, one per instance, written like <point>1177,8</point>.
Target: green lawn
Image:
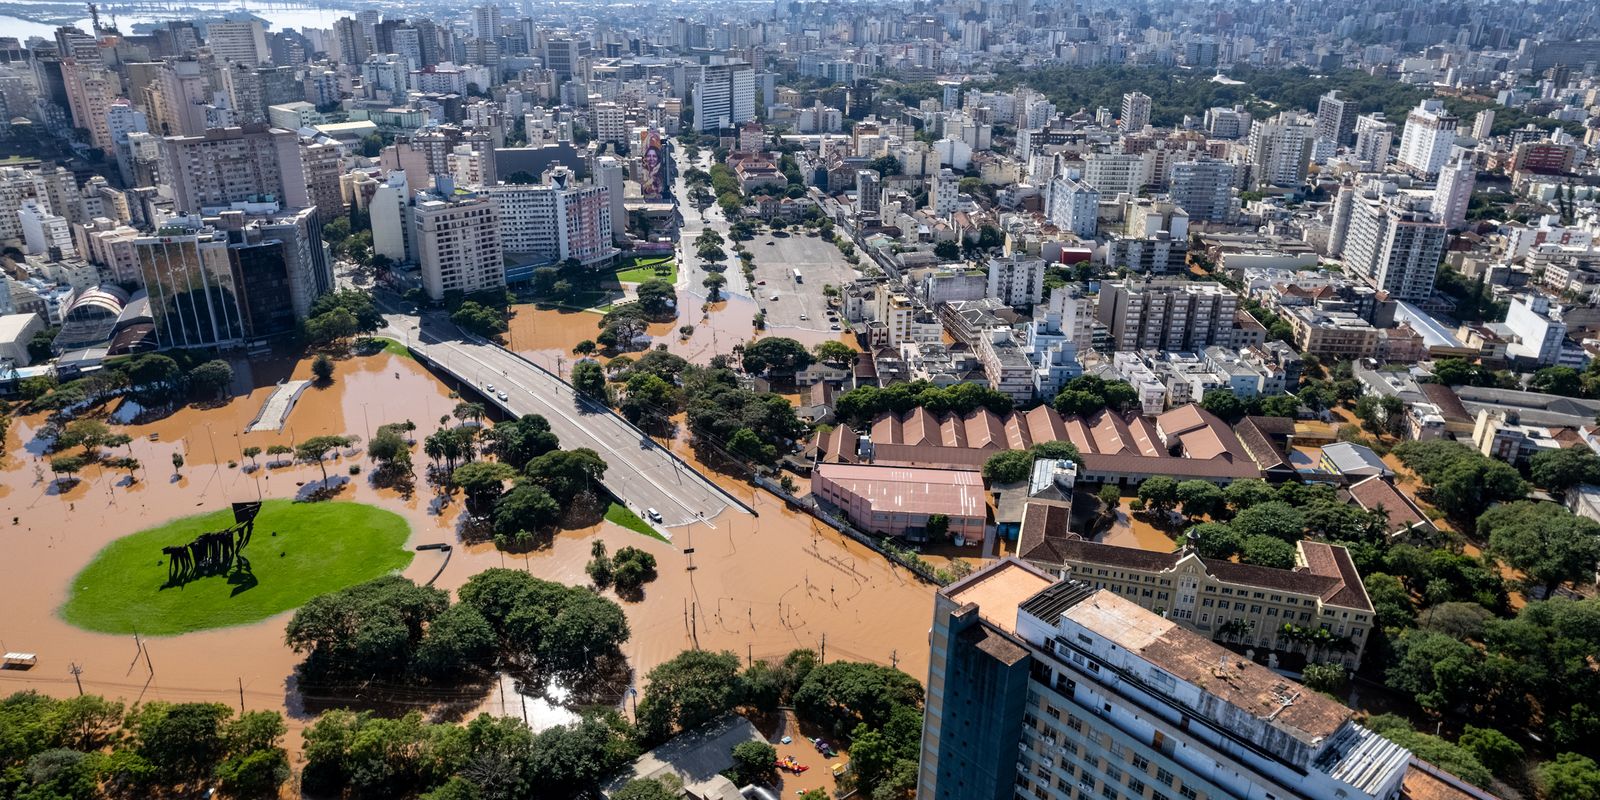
<point>641,269</point>
<point>618,514</point>
<point>318,548</point>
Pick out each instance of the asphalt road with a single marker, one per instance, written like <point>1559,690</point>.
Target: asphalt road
<point>820,263</point>
<point>639,472</point>
<point>691,269</point>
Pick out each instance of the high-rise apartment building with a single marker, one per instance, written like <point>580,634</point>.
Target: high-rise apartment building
<point>1374,137</point>
<point>869,193</point>
<point>178,99</point>
<point>724,96</point>
<point>1045,688</point>
<point>1336,118</point>
<point>1280,150</point>
<point>231,165</point>
<point>1016,280</point>
<point>1114,173</point>
<point>1203,187</point>
<point>1452,194</point>
<point>390,211</point>
<point>1483,125</point>
<point>1073,206</point>
<point>1429,134</point>
<point>557,219</point>
<point>323,163</point>
<point>1394,242</point>
<point>350,42</point>
<point>486,21</point>
<point>1135,111</point>
<point>43,231</point>
<point>242,41</point>
<point>608,172</point>
<point>457,240</point>
<point>90,91</point>
<point>1167,314</point>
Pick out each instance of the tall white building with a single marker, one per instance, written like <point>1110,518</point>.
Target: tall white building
<point>390,212</point>
<point>486,21</point>
<point>1280,150</point>
<point>243,42</point>
<point>1453,193</point>
<point>1483,125</point>
<point>943,190</point>
<point>608,172</point>
<point>1336,118</point>
<point>724,97</point>
<point>17,186</point>
<point>457,242</point>
<point>557,219</point>
<point>1426,141</point>
<point>90,92</point>
<point>229,165</point>
<point>1114,173</point>
<point>178,99</point>
<point>1017,281</point>
<point>42,230</point>
<point>1374,137</point>
<point>1540,332</point>
<point>1048,688</point>
<point>1073,205</point>
<point>1135,111</point>
<point>1393,243</point>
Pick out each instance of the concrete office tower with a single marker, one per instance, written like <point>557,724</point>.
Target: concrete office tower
<point>42,230</point>
<point>869,193</point>
<point>1037,684</point>
<point>231,165</point>
<point>1280,150</point>
<point>1203,187</point>
<point>243,42</point>
<point>1167,314</point>
<point>610,123</point>
<point>943,190</point>
<point>350,42</point>
<point>1393,242</point>
<point>390,212</point>
<point>1374,137</point>
<point>1457,179</point>
<point>182,255</point>
<point>724,97</point>
<point>280,264</point>
<point>471,168</point>
<point>1073,206</point>
<point>178,99</point>
<point>561,56</point>
<point>1426,141</point>
<point>90,92</point>
<point>556,219</point>
<point>608,172</point>
<point>457,241</point>
<point>1336,118</point>
<point>1135,111</point>
<point>1483,125</point>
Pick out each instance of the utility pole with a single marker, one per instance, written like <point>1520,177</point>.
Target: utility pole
<point>824,657</point>
<point>77,672</point>
<point>241,696</point>
<point>894,658</point>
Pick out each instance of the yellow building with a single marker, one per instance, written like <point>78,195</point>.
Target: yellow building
<point>1280,609</point>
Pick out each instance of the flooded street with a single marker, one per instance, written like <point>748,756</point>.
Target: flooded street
<point>759,586</point>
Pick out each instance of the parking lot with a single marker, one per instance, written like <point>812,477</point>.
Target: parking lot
<point>799,305</point>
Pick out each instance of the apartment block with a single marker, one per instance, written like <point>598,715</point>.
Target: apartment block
<point>457,241</point>
<point>1167,314</point>
<point>1340,335</point>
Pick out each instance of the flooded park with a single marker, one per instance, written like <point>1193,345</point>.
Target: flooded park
<point>758,585</point>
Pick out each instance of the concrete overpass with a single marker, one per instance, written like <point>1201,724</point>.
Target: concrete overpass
<point>641,473</point>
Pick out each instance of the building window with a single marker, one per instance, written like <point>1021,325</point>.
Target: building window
<point>1163,776</point>
<point>1141,763</point>
<point>1188,793</point>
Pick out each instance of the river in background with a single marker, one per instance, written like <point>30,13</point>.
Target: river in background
<point>278,17</point>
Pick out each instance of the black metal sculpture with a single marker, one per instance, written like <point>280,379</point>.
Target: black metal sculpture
<point>214,553</point>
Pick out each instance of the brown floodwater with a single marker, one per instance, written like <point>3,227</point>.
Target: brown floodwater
<point>545,334</point>
<point>759,585</point>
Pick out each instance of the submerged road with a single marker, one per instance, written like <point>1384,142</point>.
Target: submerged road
<point>641,473</point>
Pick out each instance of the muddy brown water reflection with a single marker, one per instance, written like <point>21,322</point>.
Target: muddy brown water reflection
<point>760,586</point>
